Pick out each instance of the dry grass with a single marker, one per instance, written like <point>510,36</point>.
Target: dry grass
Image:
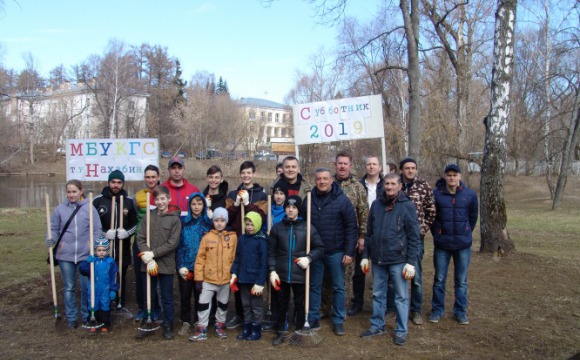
<point>523,306</point>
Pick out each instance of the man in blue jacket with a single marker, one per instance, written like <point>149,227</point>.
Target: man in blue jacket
<point>456,217</point>
<point>392,244</point>
<point>334,217</point>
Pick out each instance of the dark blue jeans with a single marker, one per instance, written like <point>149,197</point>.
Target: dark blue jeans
<point>441,259</point>
<point>166,284</point>
<point>333,264</point>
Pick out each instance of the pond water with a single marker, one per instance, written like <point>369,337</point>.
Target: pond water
<point>30,191</point>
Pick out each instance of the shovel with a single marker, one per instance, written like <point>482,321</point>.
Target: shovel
<point>92,325</point>
<point>57,317</point>
<point>147,326</point>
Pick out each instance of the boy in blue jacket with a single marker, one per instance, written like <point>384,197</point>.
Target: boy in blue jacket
<point>249,269</point>
<point>106,286</point>
<point>194,226</point>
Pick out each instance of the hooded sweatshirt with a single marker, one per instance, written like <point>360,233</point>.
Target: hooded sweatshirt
<point>193,230</point>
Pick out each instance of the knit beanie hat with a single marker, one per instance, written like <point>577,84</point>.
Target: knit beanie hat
<point>118,175</point>
<point>220,213</point>
<point>256,219</point>
<point>293,200</point>
<point>281,186</point>
<point>102,242</point>
<point>406,160</point>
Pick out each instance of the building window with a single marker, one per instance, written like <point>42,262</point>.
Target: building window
<point>263,116</point>
<point>252,115</point>
<point>284,118</point>
<point>269,117</point>
<point>131,105</point>
<point>277,117</point>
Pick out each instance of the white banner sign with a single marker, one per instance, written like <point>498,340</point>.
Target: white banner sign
<point>94,159</point>
<point>336,120</point>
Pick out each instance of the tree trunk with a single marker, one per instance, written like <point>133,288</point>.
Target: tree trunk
<point>494,235</point>
<point>411,25</point>
<point>568,153</point>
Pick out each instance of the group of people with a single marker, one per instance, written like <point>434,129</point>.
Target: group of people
<point>219,241</point>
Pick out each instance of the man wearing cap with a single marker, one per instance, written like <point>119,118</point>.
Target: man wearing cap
<point>117,235</point>
<point>455,221</point>
<point>420,193</point>
<point>178,186</point>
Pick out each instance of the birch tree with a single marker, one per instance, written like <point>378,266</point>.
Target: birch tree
<point>495,238</point>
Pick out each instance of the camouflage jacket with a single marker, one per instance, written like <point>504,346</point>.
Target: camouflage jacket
<point>422,196</point>
<point>357,195</point>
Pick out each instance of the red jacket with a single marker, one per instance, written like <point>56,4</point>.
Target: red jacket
<point>179,195</point>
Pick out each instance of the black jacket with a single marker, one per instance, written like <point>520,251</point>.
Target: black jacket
<point>287,243</point>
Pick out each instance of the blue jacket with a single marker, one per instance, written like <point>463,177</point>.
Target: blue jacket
<point>393,236</point>
<point>250,265</point>
<point>106,270</point>
<point>456,216</point>
<point>334,217</point>
<point>192,230</point>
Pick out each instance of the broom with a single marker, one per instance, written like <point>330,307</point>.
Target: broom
<point>92,325</point>
<point>57,317</point>
<point>147,326</point>
<point>306,337</point>
<point>122,313</point>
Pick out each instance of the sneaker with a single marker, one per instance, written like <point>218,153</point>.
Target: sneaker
<point>339,330</point>
<point>461,319</point>
<point>93,331</point>
<point>140,316</point>
<point>220,331</point>
<point>399,340</point>
<point>353,311</point>
<point>168,333</point>
<point>367,334</point>
<point>315,326</point>
<point>434,318</point>
<point>268,325</point>
<point>199,335</point>
<point>234,322</point>
<point>416,318</point>
<point>72,325</point>
<point>184,329</point>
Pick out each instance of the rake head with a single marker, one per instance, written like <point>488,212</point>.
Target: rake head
<point>147,328</point>
<point>305,337</point>
<point>120,315</point>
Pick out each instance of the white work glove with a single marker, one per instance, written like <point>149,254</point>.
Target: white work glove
<point>122,234</point>
<point>146,256</point>
<point>110,234</point>
<point>364,266</point>
<point>409,271</point>
<point>152,268</point>
<point>275,280</point>
<point>48,242</point>
<point>208,201</point>
<point>245,197</point>
<point>209,213</point>
<point>257,290</point>
<point>183,272</point>
<point>302,262</point>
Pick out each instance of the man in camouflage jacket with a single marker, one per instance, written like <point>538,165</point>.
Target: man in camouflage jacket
<point>421,194</point>
<point>357,195</point>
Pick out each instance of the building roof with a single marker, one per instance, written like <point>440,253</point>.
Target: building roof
<point>262,103</point>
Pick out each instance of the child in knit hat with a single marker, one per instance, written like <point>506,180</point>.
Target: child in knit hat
<point>106,286</point>
<point>249,270</point>
<point>215,257</point>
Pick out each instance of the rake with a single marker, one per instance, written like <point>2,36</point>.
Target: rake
<point>92,325</point>
<point>306,337</point>
<point>147,326</point>
<point>57,317</point>
<point>121,314</point>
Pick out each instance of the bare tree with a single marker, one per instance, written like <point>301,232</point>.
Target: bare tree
<point>495,238</point>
